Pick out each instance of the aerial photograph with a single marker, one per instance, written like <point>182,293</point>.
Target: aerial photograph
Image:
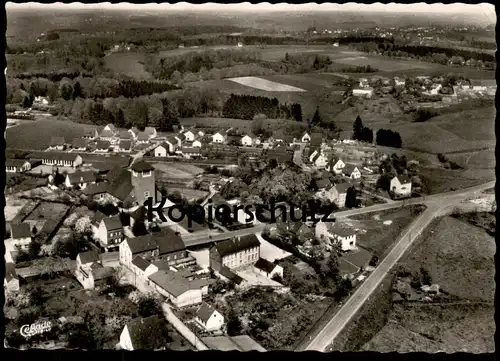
<point>250,177</point>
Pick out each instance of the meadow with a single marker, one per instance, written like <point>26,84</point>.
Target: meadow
<point>264,84</point>
<point>129,63</point>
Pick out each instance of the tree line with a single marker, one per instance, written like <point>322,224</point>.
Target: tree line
<point>247,106</point>
<point>360,132</point>
<point>388,138</point>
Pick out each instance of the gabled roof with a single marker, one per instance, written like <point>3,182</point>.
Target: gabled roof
<point>141,244</point>
<point>171,282</point>
<point>57,141</point>
<point>142,166</point>
<point>237,244</point>
<point>171,139</point>
<point>111,127</point>
<point>349,168</point>
<point>121,186</point>
<point>316,138</point>
<point>112,223</point>
<point>343,187</point>
<point>204,312</point>
<point>103,144</point>
<point>20,230</point>
<point>143,331</point>
<point>10,271</point>
<point>403,179</point>
<point>79,143</point>
<point>140,263</point>
<point>150,131</point>
<point>180,136</point>
<point>125,134</point>
<point>324,183</point>
<point>98,217</point>
<point>166,240</point>
<point>230,275</point>
<point>265,265</point>
<point>125,144</point>
<point>333,160</point>
<point>342,231</point>
<point>106,134</point>
<point>88,257</point>
<point>15,162</point>
<point>82,177</point>
<point>134,130</point>
<point>142,136</point>
<point>71,157</point>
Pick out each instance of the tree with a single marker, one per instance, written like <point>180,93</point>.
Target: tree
<point>37,295</point>
<point>297,112</point>
<point>34,249</point>
<point>77,91</point>
<point>119,119</point>
<point>26,102</point>
<point>139,228</point>
<point>343,289</point>
<point>350,199</point>
<point>234,326</point>
<point>357,129</point>
<point>149,306</point>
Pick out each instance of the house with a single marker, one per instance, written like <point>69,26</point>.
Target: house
<point>165,245</point>
<point>125,135</point>
<point>401,185</point>
<point>233,139</point>
<point>247,141</point>
<point>110,127</point>
<point>86,259</point>
<point>339,193</point>
<point>142,267</point>
<point>363,92</point>
<point>41,100</point>
<point>241,343</point>
<point>190,135</point>
<point>209,318</point>
<point>281,155</point>
<point>90,134</point>
<point>176,288</point>
<point>124,146</point>
<point>236,252</point>
<point>110,232</point>
<point>96,191</point>
<point>20,233</point>
<point>284,138</point>
<point>142,334</point>
<point>80,179</point>
<point>17,165</point>
<point>351,171</point>
<point>305,138</point>
<point>93,276</point>
<point>219,137</point>
<point>142,138</point>
<point>335,165</point>
<point>363,83</point>
<point>11,280</point>
<point>79,144</point>
<point>150,132</point>
<point>134,132</point>
<point>324,184</point>
<point>319,159</point>
<point>57,143</point>
<point>330,232</point>
<point>102,146</point>
<point>59,159</point>
<point>268,269</point>
<point>302,233</point>
<point>107,135</point>
<point>196,143</point>
<point>190,152</point>
<point>181,138</point>
<point>354,261</point>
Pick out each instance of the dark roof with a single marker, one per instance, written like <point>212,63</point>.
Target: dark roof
<point>341,231</point>
<point>349,168</point>
<point>89,132</point>
<point>54,155</point>
<point>324,183</point>
<point>114,172</point>
<point>237,244</point>
<point>79,143</point>
<point>171,140</point>
<point>124,134</point>
<point>168,241</point>
<point>150,131</point>
<point>403,179</point>
<point>106,133</point>
<point>111,126</point>
<point>112,223</point>
<point>142,244</point>
<point>171,282</point>
<point>190,150</point>
<point>15,162</point>
<point>96,188</point>
<point>343,187</point>
<point>360,258</point>
<point>230,275</point>
<point>141,166</point>
<point>134,130</point>
<point>10,271</point>
<point>265,265</point>
<point>125,144</point>
<point>121,186</point>
<point>54,141</point>
<point>100,273</point>
<point>20,230</point>
<point>82,177</point>
<point>281,155</point>
<point>235,138</point>
<point>140,328</point>
<point>140,262</point>
<point>98,217</point>
<point>204,312</point>
<point>142,136</point>
<point>103,144</point>
<point>181,136</point>
<point>89,256</point>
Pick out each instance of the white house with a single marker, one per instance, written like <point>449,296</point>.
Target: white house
<point>247,141</point>
<point>20,233</point>
<point>267,269</point>
<point>176,288</point>
<point>219,137</point>
<point>363,92</point>
<point>339,193</point>
<point>142,334</point>
<point>181,138</point>
<point>17,165</point>
<point>41,100</point>
<point>196,143</point>
<point>110,127</point>
<point>11,280</point>
<point>86,259</point>
<point>80,179</point>
<point>319,159</point>
<point>110,232</point>
<point>190,135</point>
<point>161,150</point>
<point>332,233</point>
<point>401,185</point>
<point>351,171</point>
<point>305,138</point>
<point>142,267</point>
<point>209,318</point>
<point>335,165</point>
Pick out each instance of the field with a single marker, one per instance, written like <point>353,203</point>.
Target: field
<point>264,84</point>
<point>48,211</point>
<point>383,64</point>
<point>129,63</point>
<point>309,82</point>
<point>240,124</point>
<point>440,180</point>
<point>188,192</point>
<point>177,170</point>
<point>37,135</point>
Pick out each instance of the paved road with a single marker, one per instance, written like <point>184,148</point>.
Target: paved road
<point>436,205</point>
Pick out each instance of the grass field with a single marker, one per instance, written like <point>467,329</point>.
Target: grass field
<point>37,135</point>
<point>382,63</point>
<point>177,170</point>
<point>264,84</point>
<point>129,63</point>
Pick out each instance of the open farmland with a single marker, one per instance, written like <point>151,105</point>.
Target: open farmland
<point>37,135</point>
<point>129,63</point>
<point>382,63</point>
<point>177,170</point>
<point>239,124</point>
<point>309,82</point>
<point>264,84</point>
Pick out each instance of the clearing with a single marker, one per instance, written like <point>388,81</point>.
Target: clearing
<point>129,63</point>
<point>264,84</point>
<point>177,170</point>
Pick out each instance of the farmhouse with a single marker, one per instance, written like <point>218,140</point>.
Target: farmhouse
<point>333,233</point>
<point>209,318</point>
<point>11,280</point>
<point>401,185</point>
<point>335,164</point>
<point>351,171</point>
<point>236,252</point>
<point>57,143</point>
<point>17,165</point>
<point>268,269</point>
<point>90,134</point>
<point>219,137</point>
<point>80,179</point>
<point>305,138</point>
<point>124,146</point>
<point>190,135</point>
<point>59,159</point>
<point>20,233</point>
<point>142,334</point>
<point>79,144</point>
<point>339,193</point>
<point>102,146</point>
<point>142,267</point>
<point>110,232</point>
<point>107,135</point>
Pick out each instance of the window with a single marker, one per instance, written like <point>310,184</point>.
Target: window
<point>351,243</point>
<point>146,174</point>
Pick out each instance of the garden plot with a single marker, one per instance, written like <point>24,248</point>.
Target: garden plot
<point>264,84</point>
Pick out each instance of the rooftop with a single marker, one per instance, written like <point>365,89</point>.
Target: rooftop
<point>204,312</point>
<point>237,244</point>
<point>142,166</point>
<point>265,265</point>
<point>20,230</point>
<point>89,256</point>
<point>112,223</point>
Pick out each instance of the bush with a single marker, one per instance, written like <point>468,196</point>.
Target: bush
<point>423,115</point>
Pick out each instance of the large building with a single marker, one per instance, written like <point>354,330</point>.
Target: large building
<point>236,252</point>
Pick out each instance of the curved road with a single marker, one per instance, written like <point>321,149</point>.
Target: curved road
<point>436,205</point>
